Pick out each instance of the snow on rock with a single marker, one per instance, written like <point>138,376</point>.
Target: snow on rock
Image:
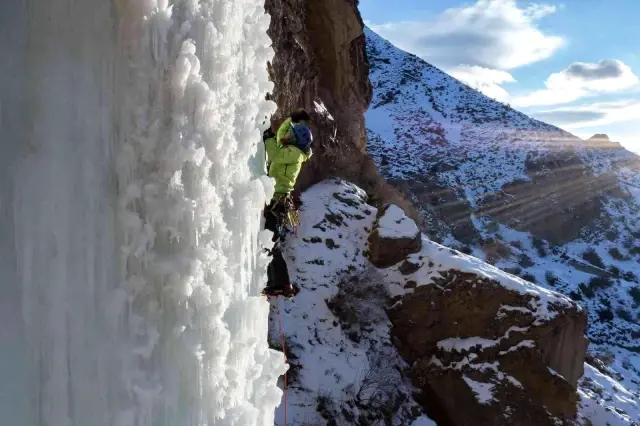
<point>521,194</point>
<point>483,391</point>
<point>543,302</point>
<point>395,224</point>
<point>337,322</point>
<point>459,345</point>
<point>394,237</point>
<point>342,363</point>
<point>604,401</point>
<point>423,421</point>
<point>497,332</point>
<point>134,208</point>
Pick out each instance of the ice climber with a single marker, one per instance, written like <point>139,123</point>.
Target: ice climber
<point>287,150</point>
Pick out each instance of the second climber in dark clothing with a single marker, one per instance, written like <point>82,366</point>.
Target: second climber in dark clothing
<point>287,150</point>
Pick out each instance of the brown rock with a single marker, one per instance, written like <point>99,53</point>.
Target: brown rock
<point>458,404</point>
<point>528,362</point>
<point>408,267</point>
<point>495,250</point>
<point>320,60</point>
<point>385,252</point>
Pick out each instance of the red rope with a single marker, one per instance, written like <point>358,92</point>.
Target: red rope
<point>284,352</point>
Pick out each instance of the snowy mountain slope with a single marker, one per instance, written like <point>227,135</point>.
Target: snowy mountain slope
<point>604,401</point>
<point>426,126</point>
<point>338,321</point>
<point>521,194</point>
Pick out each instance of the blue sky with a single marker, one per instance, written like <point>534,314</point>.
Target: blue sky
<point>573,63</point>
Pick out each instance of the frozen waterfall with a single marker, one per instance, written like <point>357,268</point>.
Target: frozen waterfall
<point>131,186</point>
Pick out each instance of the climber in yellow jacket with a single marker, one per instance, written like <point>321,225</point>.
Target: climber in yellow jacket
<point>287,150</point>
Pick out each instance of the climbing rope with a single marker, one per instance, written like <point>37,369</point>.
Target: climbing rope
<point>284,353</point>
<point>294,219</point>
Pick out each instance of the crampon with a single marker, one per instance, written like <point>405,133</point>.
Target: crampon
<point>287,291</point>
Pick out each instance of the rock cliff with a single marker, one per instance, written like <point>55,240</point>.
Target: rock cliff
<point>477,334</point>
<point>471,344</point>
<point>321,64</point>
<point>507,351</point>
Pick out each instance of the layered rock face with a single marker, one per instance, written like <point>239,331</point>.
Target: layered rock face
<point>560,182</point>
<point>486,348</point>
<point>320,64</point>
<point>505,356</point>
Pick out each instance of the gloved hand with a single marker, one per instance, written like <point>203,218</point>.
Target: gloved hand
<point>268,134</point>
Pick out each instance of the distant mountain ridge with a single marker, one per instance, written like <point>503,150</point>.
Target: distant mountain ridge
<point>527,196</point>
<point>426,128</point>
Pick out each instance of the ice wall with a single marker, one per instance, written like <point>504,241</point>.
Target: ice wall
<point>131,188</point>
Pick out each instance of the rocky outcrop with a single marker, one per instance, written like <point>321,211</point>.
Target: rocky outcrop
<point>320,64</point>
<point>506,351</point>
<point>394,237</point>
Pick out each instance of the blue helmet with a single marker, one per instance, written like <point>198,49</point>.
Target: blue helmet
<point>302,135</point>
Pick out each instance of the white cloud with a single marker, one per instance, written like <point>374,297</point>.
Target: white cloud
<point>538,11</point>
<point>629,141</point>
<point>487,80</point>
<point>581,80</point>
<point>592,115</point>
<point>494,34</point>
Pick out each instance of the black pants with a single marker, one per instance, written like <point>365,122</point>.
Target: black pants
<point>277,271</point>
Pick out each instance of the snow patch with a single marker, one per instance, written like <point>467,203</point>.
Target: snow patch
<point>331,363</point>
<point>423,421</point>
<point>521,344</point>
<point>604,401</point>
<point>544,304</point>
<point>483,391</point>
<point>462,345</point>
<point>394,224</point>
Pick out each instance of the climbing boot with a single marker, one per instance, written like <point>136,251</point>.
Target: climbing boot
<point>287,291</point>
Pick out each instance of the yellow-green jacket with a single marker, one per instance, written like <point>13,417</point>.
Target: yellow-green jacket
<point>285,160</point>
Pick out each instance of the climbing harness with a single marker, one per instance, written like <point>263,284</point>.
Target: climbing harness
<point>284,353</point>
<point>287,212</point>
